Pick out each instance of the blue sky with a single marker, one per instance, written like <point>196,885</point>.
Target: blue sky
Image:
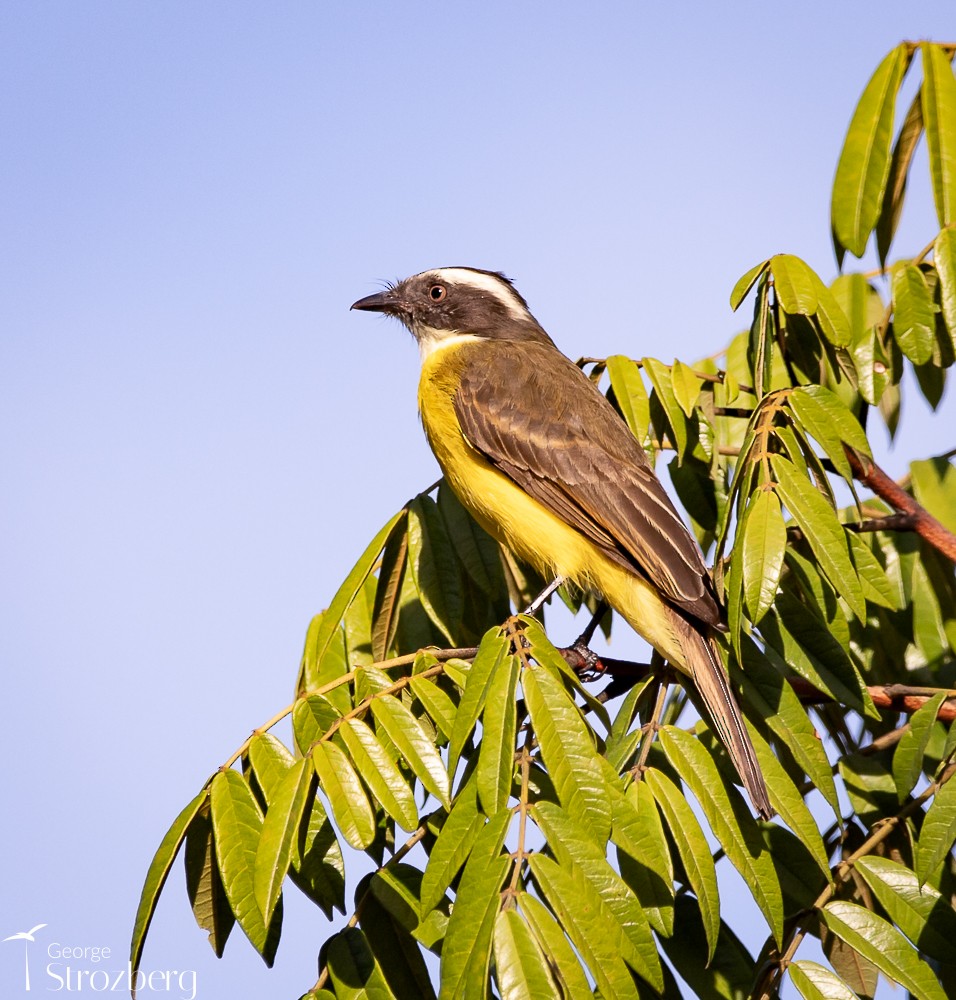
<point>196,437</point>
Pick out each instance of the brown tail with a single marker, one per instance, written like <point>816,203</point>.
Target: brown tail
<point>711,681</point>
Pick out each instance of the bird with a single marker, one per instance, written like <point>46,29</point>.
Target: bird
<point>545,464</point>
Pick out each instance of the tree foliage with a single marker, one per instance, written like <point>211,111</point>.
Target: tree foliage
<point>550,831</point>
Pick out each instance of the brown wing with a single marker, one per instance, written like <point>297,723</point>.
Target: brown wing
<point>541,421</point>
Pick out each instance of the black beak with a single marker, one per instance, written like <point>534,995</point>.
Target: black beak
<point>385,302</point>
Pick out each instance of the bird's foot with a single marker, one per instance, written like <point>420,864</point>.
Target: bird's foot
<point>583,660</point>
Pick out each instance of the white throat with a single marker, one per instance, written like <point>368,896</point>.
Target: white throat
<point>431,340</point>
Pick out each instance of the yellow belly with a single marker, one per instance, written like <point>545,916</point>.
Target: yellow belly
<point>526,526</point>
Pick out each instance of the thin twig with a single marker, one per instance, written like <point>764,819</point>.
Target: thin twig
<point>461,653</point>
<point>925,525</point>
<point>841,871</point>
<point>360,904</point>
<point>650,731</point>
<point>903,698</point>
<point>887,522</point>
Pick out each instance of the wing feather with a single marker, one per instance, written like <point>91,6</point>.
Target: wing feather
<point>539,419</point>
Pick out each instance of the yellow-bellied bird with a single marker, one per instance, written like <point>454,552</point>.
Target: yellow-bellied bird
<point>544,463</point>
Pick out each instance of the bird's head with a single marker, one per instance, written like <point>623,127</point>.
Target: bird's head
<point>449,302</point>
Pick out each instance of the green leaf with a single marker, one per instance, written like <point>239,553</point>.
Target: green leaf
<point>800,879</point>
<point>452,847</point>
<point>883,945</point>
<point>801,293</point>
<point>564,962</point>
<point>814,982</point>
<point>357,624</point>
<point>643,856</point>
<point>279,831</point>
<point>761,347</point>
<point>864,164</point>
<point>938,832</point>
<point>734,597</point>
<point>630,393</point>
<point>414,629</point>
<point>775,701</point>
<point>576,852</point>
<point>388,916</point>
<point>914,316</point>
<point>475,548</point>
<point>727,975</point>
<point>939,114</point>
<point>934,486</point>
<point>568,751</point>
<point>493,649</point>
<point>413,744</point>
<point>869,785</point>
<point>745,283</point>
<point>318,868</point>
<point>876,586</point>
<point>439,706</point>
<point>622,740</point>
<point>237,826</point>
<point>589,923</point>
<point>693,850</point>
<point>764,542</point>
<point>921,913</point>
<point>466,951</point>
<point>823,531</point>
<point>873,367</point>
<point>822,415</point>
<point>686,385</point>
<point>909,753</point>
<point>860,975</point>
<point>944,257</point>
<point>814,594</point>
<point>158,872</point>
<point>892,207</point>
<point>521,967</point>
<point>660,376</point>
<point>380,773</point>
<point>343,789</point>
<point>386,608</point>
<point>335,664</point>
<point>371,680</point>
<point>433,566</point>
<point>859,301</point>
<point>830,315</point>
<point>794,285</point>
<point>312,717</point>
<point>354,972</point>
<point>808,647</point>
<point>398,888</point>
<point>270,759</point>
<point>319,639</point>
<point>731,822</point>
<point>496,760</point>
<point>787,799</point>
<point>207,897</point>
<point>929,630</point>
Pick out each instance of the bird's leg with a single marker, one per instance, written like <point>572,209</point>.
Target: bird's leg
<point>584,639</point>
<point>544,595</point>
<point>586,661</point>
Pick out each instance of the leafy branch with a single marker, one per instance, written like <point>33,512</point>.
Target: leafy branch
<point>550,848</point>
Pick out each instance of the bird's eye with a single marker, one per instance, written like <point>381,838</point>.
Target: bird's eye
<point>437,292</point>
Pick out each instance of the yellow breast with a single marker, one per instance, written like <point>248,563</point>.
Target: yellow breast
<point>502,508</point>
<point>523,524</point>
